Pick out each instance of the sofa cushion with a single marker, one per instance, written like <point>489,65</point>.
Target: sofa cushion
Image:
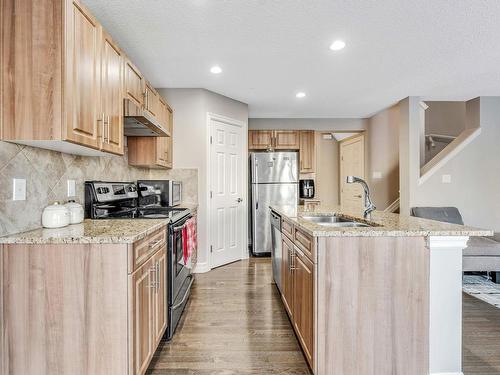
<point>445,214</point>
<point>482,246</point>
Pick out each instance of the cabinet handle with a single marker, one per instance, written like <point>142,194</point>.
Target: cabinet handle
<point>157,276</point>
<point>107,127</point>
<point>101,120</point>
<point>154,244</point>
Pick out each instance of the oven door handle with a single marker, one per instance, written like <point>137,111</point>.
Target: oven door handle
<point>180,227</point>
<point>185,295</point>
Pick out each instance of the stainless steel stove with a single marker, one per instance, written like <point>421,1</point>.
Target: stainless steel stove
<point>124,200</point>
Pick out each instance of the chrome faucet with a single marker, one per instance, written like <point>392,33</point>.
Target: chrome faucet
<point>369,206</point>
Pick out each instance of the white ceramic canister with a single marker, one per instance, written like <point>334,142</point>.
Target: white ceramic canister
<point>55,215</point>
<point>75,212</point>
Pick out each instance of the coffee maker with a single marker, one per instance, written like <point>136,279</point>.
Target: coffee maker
<point>306,189</point>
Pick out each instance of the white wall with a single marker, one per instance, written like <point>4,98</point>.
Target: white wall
<point>327,124</point>
<point>191,134</point>
<point>475,171</point>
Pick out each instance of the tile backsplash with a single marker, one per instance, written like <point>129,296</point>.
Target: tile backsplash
<point>46,173</point>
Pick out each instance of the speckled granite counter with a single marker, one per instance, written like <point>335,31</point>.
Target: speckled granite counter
<point>119,231</point>
<point>383,224</point>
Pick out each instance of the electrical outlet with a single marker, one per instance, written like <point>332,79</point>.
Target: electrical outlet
<point>71,188</point>
<point>19,189</point>
<point>446,179</point>
<point>377,175</point>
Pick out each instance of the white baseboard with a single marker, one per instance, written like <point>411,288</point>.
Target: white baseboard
<point>201,268</point>
<point>446,373</point>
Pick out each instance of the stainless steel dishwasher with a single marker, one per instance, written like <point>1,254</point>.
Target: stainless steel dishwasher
<point>276,252</point>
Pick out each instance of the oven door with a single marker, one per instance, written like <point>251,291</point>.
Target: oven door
<point>179,268</point>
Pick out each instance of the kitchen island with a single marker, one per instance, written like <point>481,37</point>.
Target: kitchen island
<point>376,296</point>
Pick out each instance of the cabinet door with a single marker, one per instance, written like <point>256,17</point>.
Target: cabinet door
<point>143,289</point>
<point>82,76</point>
<point>111,96</point>
<point>260,139</point>
<point>307,151</point>
<point>160,298</point>
<point>161,151</point>
<point>134,84</point>
<point>152,101</point>
<point>303,302</point>
<point>287,275</point>
<point>286,139</point>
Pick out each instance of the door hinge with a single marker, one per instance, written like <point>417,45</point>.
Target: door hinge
<point>211,195</point>
<point>211,249</point>
<point>211,140</point>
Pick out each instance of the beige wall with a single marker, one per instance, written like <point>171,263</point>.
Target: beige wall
<point>327,170</point>
<point>474,171</point>
<point>382,145</point>
<point>445,118</point>
<point>46,173</point>
<point>191,133</point>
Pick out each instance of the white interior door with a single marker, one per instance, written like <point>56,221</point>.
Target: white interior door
<point>227,209</point>
<point>352,163</point>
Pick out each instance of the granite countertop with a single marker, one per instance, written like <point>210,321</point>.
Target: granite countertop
<point>383,224</point>
<point>109,231</point>
<point>117,231</point>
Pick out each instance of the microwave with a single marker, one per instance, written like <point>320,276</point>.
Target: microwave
<point>165,193</point>
<point>174,193</point>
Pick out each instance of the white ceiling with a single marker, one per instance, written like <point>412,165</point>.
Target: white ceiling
<point>270,49</point>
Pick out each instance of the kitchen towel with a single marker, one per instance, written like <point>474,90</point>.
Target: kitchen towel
<point>189,239</point>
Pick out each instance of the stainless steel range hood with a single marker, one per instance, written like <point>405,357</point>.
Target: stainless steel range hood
<point>139,123</point>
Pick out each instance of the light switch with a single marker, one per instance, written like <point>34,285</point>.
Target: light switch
<point>377,175</point>
<point>19,189</point>
<point>71,188</point>
<point>446,179</point>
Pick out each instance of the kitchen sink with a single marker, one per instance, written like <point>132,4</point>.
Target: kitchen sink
<point>334,221</point>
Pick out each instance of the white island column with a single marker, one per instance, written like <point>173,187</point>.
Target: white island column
<point>445,304</point>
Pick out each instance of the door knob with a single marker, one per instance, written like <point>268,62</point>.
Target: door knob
<point>239,200</point>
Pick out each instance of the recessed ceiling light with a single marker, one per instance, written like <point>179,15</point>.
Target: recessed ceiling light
<point>300,95</point>
<point>216,69</point>
<point>337,45</point>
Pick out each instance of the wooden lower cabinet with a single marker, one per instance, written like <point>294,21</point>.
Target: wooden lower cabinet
<point>142,285</point>
<point>297,284</point>
<point>88,311</point>
<point>148,310</point>
<point>287,275</point>
<point>303,303</point>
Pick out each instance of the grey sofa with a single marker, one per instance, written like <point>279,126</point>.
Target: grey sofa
<point>481,254</point>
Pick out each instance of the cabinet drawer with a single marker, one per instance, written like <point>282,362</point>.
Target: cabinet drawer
<point>287,228</point>
<point>304,242</point>
<point>143,249</point>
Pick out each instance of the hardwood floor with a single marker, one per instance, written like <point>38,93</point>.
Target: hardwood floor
<point>481,337</point>
<point>234,323</point>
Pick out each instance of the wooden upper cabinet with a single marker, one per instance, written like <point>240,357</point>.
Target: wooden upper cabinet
<point>134,84</point>
<point>286,139</point>
<point>273,139</point>
<point>62,78</point>
<point>83,75</point>
<point>152,102</point>
<point>260,139</point>
<point>111,95</point>
<point>303,303</point>
<point>307,151</point>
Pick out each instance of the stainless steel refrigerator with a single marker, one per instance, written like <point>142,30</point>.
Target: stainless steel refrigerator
<point>274,180</point>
